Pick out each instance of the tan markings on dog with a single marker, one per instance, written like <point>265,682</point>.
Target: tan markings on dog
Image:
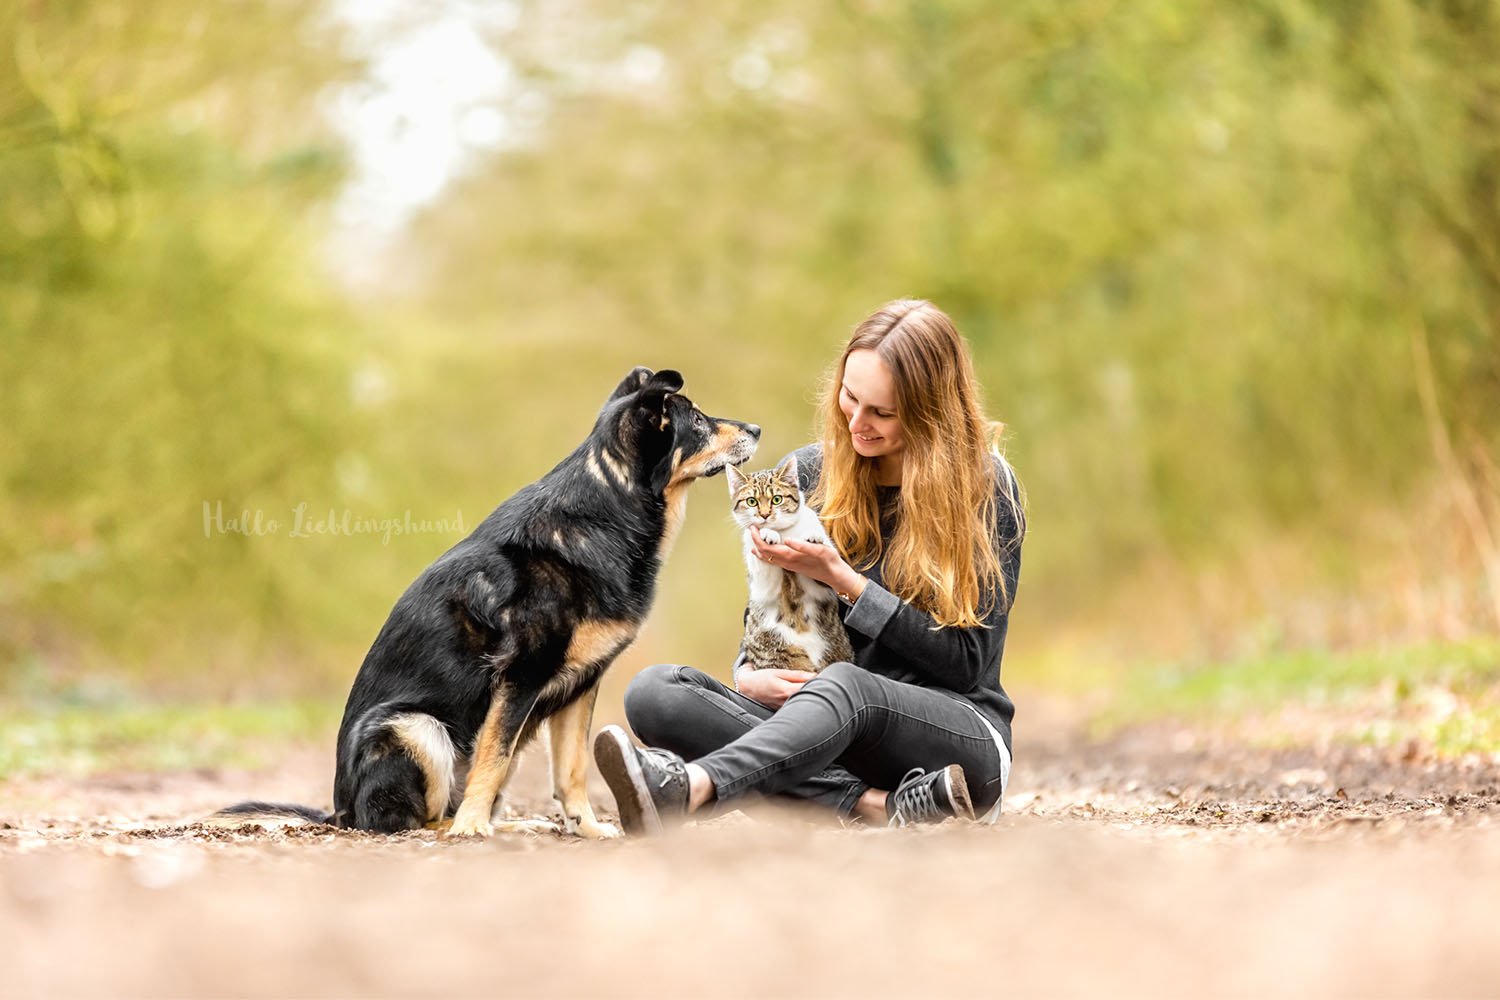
<point>693,466</point>
<point>597,471</point>
<point>568,737</point>
<point>615,466</point>
<point>427,742</point>
<point>595,640</point>
<point>593,643</point>
<point>790,606</point>
<point>676,496</point>
<point>684,472</point>
<point>489,767</point>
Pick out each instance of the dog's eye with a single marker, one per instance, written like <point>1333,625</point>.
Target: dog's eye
<point>776,499</point>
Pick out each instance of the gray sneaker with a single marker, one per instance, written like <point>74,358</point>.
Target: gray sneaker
<point>924,797</point>
<point>648,784</point>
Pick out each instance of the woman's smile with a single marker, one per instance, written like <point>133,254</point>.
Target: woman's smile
<point>867,398</point>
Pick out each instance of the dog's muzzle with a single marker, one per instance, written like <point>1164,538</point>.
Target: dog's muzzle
<point>744,446</point>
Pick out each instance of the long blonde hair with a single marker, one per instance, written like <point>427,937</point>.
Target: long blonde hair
<point>942,557</point>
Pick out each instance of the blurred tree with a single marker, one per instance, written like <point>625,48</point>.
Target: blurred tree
<point>1231,273</point>
<point>165,336</point>
<point>1184,239</point>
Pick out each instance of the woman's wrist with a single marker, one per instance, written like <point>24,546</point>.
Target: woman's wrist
<point>849,585</point>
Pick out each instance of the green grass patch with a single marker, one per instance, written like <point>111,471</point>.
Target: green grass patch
<point>1446,694</point>
<point>75,739</point>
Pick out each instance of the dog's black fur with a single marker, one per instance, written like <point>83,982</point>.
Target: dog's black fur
<point>516,624</point>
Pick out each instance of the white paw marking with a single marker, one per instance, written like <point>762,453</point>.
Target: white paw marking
<point>770,536</point>
<point>589,828</point>
<point>598,831</point>
<point>470,828</point>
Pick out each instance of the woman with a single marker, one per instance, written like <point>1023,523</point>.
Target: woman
<point>917,728</point>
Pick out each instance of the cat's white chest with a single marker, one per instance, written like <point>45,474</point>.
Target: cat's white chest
<point>765,584</point>
<point>765,579</point>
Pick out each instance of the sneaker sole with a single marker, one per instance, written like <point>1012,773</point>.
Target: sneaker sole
<point>958,792</point>
<point>615,757</point>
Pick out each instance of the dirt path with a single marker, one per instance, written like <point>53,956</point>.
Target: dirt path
<point>1158,863</point>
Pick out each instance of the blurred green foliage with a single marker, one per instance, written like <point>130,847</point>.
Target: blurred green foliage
<point>167,335</point>
<point>1206,256</point>
<point>1443,695</point>
<point>128,735</point>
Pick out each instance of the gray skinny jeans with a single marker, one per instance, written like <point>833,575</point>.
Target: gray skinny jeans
<point>845,731</point>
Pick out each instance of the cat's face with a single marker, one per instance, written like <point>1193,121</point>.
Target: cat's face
<point>769,498</point>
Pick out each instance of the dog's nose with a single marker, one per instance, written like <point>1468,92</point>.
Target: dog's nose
<point>754,430</point>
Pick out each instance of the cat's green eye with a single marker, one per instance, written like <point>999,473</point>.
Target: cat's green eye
<point>776,499</point>
<point>752,502</point>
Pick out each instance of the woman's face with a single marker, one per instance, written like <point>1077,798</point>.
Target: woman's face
<point>868,399</point>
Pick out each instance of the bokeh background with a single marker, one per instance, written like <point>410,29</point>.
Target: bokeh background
<point>1231,275</point>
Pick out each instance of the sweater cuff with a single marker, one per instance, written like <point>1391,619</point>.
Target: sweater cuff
<point>876,607</point>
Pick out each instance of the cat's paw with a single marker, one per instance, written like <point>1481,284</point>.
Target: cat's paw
<point>770,536</point>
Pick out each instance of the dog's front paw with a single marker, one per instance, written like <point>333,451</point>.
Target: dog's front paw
<point>589,828</point>
<point>470,826</point>
<point>770,536</point>
<point>596,830</point>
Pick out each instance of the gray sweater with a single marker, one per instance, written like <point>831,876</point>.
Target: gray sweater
<point>893,638</point>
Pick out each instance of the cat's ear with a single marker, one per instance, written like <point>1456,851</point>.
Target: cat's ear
<point>736,479</point>
<point>787,471</point>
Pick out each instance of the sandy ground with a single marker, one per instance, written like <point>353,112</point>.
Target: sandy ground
<point>1163,862</point>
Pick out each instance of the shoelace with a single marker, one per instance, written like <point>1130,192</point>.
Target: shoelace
<point>670,764</point>
<point>914,800</point>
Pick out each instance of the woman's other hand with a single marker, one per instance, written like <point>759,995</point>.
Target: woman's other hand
<point>820,562</point>
<point>771,687</point>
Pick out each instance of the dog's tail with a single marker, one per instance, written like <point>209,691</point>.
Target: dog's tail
<point>269,814</point>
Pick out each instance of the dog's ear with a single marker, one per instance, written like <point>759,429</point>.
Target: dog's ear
<point>661,475</point>
<point>630,383</point>
<point>666,379</point>
<point>735,477</point>
<point>655,404</point>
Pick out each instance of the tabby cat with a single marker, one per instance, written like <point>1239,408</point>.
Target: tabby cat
<point>791,621</point>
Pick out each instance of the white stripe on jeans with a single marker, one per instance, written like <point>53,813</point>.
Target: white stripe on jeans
<point>994,812</point>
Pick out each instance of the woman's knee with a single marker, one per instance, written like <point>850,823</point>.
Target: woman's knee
<point>650,700</point>
<point>842,684</point>
<point>844,676</point>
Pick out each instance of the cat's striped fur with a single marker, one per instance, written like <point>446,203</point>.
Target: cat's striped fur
<point>791,621</point>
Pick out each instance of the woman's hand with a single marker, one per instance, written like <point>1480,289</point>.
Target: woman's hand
<point>820,562</point>
<point>771,687</point>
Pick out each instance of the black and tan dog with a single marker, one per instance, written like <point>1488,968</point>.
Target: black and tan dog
<point>515,625</point>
